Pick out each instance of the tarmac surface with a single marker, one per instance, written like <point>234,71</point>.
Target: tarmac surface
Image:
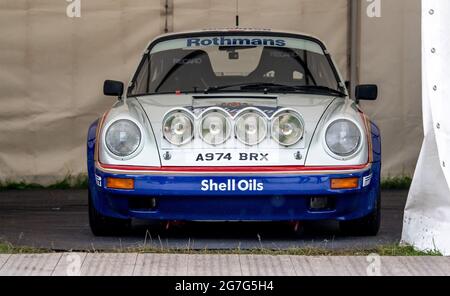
<point>57,219</point>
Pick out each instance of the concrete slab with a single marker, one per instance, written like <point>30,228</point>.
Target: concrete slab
<point>349,266</point>
<point>442,264</point>
<point>301,266</point>
<point>255,265</point>
<point>233,265</point>
<point>3,259</point>
<point>309,266</point>
<point>70,264</point>
<point>100,264</point>
<point>396,266</point>
<point>422,264</point>
<point>161,264</point>
<point>30,264</point>
<point>214,265</point>
<point>415,266</point>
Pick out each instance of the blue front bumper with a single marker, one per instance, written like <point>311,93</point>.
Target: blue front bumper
<point>283,198</point>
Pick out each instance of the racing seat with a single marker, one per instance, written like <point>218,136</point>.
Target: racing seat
<point>194,70</point>
<point>277,65</point>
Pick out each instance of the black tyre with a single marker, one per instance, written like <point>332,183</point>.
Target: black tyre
<point>105,226</point>
<point>365,226</point>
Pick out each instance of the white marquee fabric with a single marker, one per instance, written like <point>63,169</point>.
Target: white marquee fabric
<point>52,68</point>
<point>427,213</point>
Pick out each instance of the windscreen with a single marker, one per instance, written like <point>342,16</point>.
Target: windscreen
<point>234,63</point>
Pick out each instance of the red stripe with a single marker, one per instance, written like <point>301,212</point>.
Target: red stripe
<point>234,168</point>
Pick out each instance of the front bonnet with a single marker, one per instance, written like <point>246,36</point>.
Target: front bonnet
<point>267,153</point>
<point>317,112</point>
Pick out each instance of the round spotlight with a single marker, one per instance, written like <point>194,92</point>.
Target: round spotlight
<point>215,127</point>
<point>251,128</point>
<point>287,128</point>
<point>178,127</point>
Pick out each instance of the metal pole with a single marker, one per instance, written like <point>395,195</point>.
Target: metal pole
<point>354,50</point>
<point>237,13</point>
<point>167,13</point>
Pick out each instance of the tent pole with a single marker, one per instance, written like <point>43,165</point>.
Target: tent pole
<point>354,43</point>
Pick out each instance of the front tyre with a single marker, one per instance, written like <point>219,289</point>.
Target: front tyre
<point>365,226</point>
<point>105,226</point>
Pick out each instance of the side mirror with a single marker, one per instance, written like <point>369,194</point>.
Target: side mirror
<point>113,88</point>
<point>367,92</point>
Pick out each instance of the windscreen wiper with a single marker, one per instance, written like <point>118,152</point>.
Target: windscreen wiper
<point>267,87</point>
<point>321,89</point>
<point>318,89</point>
<point>222,87</point>
<point>247,85</point>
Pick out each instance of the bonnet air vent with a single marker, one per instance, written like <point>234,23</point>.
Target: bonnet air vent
<point>233,97</point>
<point>234,101</point>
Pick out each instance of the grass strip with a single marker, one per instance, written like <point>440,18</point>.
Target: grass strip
<point>388,250</point>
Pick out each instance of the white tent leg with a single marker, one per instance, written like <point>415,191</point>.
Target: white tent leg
<point>427,215</point>
<point>426,224</point>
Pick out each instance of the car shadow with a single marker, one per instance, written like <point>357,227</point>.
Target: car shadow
<point>236,230</point>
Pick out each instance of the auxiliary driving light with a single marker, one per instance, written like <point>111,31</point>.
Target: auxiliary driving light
<point>346,183</point>
<point>120,183</point>
<point>251,128</point>
<point>215,127</point>
<point>287,128</point>
<point>178,127</point>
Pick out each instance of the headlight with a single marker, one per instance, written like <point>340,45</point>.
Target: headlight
<point>287,128</point>
<point>215,127</point>
<point>343,137</point>
<point>251,128</point>
<point>178,128</point>
<point>123,137</point>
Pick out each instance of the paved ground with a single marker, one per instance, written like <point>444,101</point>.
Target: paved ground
<point>62,264</point>
<point>57,219</point>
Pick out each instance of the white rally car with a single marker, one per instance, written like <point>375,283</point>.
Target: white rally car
<point>235,125</point>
